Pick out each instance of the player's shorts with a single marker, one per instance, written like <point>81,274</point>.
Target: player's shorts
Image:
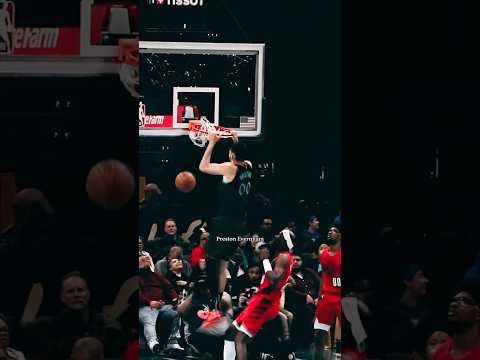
<point>260,310</point>
<point>328,309</point>
<point>225,233</point>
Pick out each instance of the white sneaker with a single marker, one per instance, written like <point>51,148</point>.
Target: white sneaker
<point>174,345</point>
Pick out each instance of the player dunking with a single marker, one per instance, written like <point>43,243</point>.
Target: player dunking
<point>229,224</point>
<point>329,306</point>
<point>264,305</point>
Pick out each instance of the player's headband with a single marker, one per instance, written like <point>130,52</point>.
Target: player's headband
<point>288,239</point>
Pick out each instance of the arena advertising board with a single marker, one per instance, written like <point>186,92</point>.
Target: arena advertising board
<point>16,40</point>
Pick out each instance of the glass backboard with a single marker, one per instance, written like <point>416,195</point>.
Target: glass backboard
<point>182,81</point>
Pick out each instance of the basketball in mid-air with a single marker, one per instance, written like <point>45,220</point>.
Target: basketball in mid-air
<point>110,184</point>
<point>185,181</point>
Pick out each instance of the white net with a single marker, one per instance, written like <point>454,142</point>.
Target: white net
<point>199,135</point>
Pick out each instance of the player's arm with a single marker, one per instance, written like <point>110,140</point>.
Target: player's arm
<point>206,166</point>
<point>325,259</point>
<point>277,274</point>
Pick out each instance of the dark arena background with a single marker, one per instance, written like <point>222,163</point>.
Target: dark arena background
<point>63,110</point>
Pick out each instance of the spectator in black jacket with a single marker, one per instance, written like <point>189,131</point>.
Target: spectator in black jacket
<point>178,278</point>
<point>299,300</point>
<point>78,319</point>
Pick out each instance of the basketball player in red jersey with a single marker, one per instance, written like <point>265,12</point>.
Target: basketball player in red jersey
<point>329,305</point>
<point>264,305</point>
<point>230,223</point>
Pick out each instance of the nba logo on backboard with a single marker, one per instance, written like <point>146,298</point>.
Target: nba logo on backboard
<point>141,114</point>
<point>7,26</point>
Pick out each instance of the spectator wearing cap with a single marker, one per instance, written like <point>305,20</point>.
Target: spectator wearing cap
<point>407,321</point>
<point>309,242</point>
<point>464,320</point>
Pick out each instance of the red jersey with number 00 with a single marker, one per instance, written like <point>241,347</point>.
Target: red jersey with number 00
<point>331,272</point>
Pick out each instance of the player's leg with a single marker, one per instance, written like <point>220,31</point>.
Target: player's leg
<point>229,351</point>
<point>216,278</point>
<point>186,305</point>
<point>324,318</point>
<point>285,325</point>
<point>222,280</point>
<point>241,345</point>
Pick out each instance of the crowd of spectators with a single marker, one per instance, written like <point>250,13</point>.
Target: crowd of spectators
<point>173,276</point>
<point>68,327</point>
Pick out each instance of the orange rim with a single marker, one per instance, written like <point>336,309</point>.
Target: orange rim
<point>195,126</point>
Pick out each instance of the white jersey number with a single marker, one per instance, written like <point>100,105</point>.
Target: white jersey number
<point>244,189</point>
<point>337,282</point>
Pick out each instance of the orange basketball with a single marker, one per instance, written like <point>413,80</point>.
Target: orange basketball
<point>110,184</point>
<point>185,181</point>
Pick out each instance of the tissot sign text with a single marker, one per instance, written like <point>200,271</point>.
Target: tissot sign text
<point>35,40</point>
<point>176,2</point>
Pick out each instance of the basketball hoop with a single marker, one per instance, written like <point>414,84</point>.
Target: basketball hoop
<point>129,67</point>
<point>198,131</point>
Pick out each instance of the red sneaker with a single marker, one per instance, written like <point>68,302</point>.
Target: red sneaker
<point>214,322</point>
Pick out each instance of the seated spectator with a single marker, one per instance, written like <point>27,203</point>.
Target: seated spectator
<point>78,319</point>
<point>177,277</point>
<point>141,252</point>
<point>6,352</point>
<point>175,252</point>
<point>156,300</point>
<point>407,321</point>
<point>159,247</point>
<point>246,285</point>
<point>464,319</point>
<point>87,348</point>
<point>200,251</point>
<point>299,300</point>
<point>435,340</point>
